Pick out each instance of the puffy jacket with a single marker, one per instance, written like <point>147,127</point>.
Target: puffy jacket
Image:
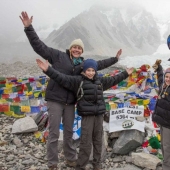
<point>161,113</point>
<point>60,61</point>
<point>92,101</point>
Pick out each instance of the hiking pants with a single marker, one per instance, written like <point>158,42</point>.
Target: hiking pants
<point>91,133</point>
<point>56,111</point>
<point>165,145</point>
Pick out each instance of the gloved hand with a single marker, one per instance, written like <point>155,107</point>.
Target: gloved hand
<point>155,66</point>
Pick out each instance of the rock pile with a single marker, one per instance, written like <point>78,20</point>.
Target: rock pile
<point>25,152</point>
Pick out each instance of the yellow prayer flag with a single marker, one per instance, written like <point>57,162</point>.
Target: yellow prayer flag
<point>9,113</point>
<point>9,85</point>
<point>7,90</point>
<point>130,83</point>
<point>159,137</point>
<point>19,80</point>
<point>38,134</point>
<point>43,93</point>
<point>25,109</point>
<point>28,93</point>
<point>36,94</point>
<point>18,116</point>
<point>38,84</point>
<point>113,106</point>
<point>2,101</point>
<point>134,75</point>
<point>146,102</point>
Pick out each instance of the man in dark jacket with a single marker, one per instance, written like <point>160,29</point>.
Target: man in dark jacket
<point>90,106</point>
<point>60,101</point>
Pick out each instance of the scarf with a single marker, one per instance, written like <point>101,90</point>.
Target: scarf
<point>77,61</point>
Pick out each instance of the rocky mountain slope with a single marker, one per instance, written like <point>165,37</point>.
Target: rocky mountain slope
<point>104,31</point>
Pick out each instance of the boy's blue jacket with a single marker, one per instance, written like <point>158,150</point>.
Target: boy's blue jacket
<point>60,61</point>
<point>92,102</point>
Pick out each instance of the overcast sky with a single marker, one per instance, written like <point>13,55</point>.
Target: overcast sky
<point>54,13</point>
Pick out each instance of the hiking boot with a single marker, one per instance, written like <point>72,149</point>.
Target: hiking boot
<point>54,167</point>
<point>71,163</point>
<point>96,167</point>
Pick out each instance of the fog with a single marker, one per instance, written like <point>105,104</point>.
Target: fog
<point>51,14</point>
<point>47,15</point>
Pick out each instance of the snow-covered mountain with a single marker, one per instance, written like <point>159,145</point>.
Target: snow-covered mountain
<point>104,31</point>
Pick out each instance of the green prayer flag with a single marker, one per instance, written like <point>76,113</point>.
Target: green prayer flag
<point>114,99</point>
<point>2,85</point>
<point>15,109</point>
<point>140,102</point>
<point>29,87</point>
<point>108,107</point>
<point>9,100</point>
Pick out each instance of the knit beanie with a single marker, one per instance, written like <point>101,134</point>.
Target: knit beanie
<point>90,63</point>
<point>167,70</point>
<point>78,42</point>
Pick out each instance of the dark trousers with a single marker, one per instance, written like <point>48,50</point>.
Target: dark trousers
<point>92,128</point>
<point>165,145</point>
<point>56,111</point>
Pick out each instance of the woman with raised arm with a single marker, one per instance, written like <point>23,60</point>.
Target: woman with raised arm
<point>60,101</point>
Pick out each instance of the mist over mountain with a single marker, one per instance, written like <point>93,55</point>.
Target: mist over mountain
<point>103,30</point>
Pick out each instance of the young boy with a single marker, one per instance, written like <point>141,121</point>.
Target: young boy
<point>161,113</point>
<point>90,106</point>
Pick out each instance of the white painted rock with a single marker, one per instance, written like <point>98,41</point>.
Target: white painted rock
<point>145,160</point>
<point>24,125</point>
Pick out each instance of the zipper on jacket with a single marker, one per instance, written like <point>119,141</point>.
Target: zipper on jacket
<point>95,101</point>
<point>95,94</point>
<point>72,75</point>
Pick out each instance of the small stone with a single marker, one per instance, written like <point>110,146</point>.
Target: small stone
<point>17,142</point>
<point>9,158</point>
<point>109,149</point>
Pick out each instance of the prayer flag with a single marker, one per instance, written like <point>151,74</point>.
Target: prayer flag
<point>25,109</point>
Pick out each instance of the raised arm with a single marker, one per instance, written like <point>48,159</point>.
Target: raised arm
<point>108,82</point>
<point>38,46</point>
<point>102,64</point>
<point>69,82</point>
<point>25,19</point>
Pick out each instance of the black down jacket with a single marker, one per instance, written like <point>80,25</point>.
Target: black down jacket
<point>161,113</point>
<point>92,102</point>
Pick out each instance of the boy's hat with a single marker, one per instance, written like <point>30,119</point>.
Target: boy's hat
<point>78,42</point>
<point>167,70</point>
<point>90,63</point>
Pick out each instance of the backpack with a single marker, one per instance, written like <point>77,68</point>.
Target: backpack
<point>41,119</point>
<point>80,90</point>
